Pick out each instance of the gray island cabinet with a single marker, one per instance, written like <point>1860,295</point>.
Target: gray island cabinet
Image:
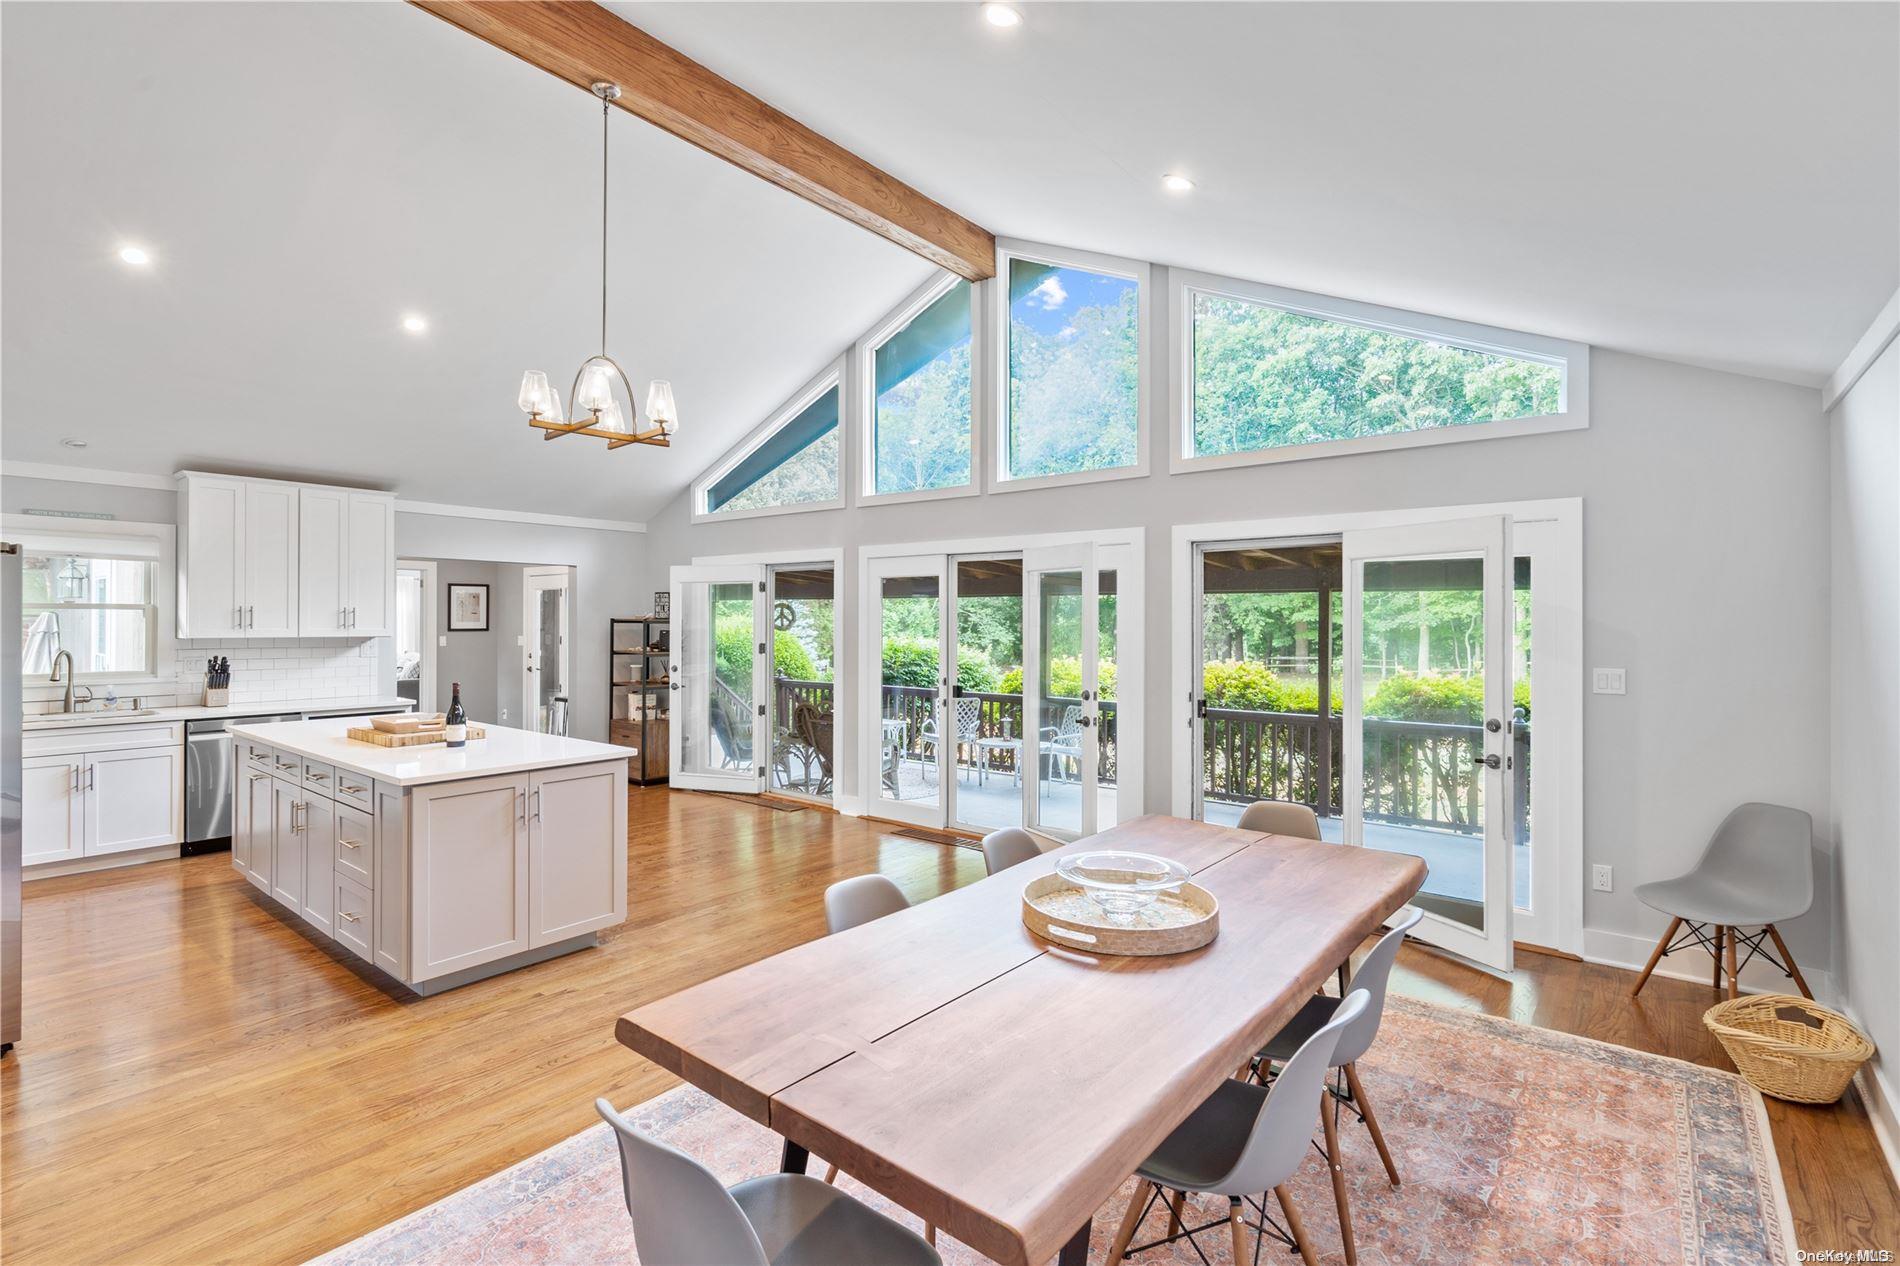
<point>438,867</point>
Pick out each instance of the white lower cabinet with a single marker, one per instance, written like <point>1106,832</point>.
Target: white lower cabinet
<point>355,918</point>
<point>252,825</point>
<point>92,792</point>
<point>468,862</point>
<point>286,842</point>
<point>577,852</point>
<point>52,808</point>
<point>318,827</point>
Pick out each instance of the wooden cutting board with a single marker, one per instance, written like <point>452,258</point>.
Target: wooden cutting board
<point>421,738</point>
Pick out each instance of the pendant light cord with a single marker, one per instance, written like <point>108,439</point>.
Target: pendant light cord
<point>605,105</point>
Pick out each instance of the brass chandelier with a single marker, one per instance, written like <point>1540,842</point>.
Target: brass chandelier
<point>598,410</point>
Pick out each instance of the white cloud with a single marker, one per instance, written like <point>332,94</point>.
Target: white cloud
<point>1050,293</point>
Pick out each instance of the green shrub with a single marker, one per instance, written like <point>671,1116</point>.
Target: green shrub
<point>1065,678</point>
<point>1248,684</point>
<point>910,661</point>
<point>733,650</point>
<point>1438,697</point>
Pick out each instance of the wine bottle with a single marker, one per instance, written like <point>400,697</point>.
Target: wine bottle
<point>457,734</point>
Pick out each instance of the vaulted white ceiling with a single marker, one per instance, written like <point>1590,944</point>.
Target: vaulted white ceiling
<point>1712,183</point>
<point>304,175</point>
<point>1717,183</point>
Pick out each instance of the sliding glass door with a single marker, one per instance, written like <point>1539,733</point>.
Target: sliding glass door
<point>906,707</point>
<point>1429,752</point>
<point>719,738</point>
<point>802,696</point>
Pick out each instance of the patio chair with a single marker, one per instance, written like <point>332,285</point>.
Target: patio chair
<point>733,753</point>
<point>969,713</point>
<point>1757,871</point>
<point>1063,740</point>
<point>814,728</point>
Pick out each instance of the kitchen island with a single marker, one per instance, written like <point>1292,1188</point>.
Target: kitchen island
<point>439,867</point>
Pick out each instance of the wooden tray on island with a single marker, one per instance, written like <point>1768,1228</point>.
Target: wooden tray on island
<point>410,722</point>
<point>1178,921</point>
<point>420,738</point>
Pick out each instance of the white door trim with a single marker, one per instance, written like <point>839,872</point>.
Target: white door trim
<point>1554,529</point>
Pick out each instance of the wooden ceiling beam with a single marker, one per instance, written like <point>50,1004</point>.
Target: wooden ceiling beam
<point>582,43</point>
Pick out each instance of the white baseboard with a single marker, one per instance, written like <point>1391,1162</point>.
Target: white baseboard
<point>850,806</point>
<point>111,861</point>
<point>1883,1108</point>
<point>1619,949</point>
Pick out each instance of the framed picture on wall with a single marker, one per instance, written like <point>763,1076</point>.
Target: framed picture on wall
<point>468,608</point>
<point>663,604</point>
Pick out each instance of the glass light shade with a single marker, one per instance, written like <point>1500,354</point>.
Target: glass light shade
<point>596,390</point>
<point>611,418</point>
<point>535,394</point>
<point>660,403</point>
<point>552,411</point>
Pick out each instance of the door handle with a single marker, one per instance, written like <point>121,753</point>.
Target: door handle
<point>255,777</point>
<point>1489,762</point>
<point>90,781</point>
<point>537,804</point>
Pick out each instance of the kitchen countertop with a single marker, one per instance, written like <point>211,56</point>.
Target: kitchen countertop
<point>196,712</point>
<point>504,751</point>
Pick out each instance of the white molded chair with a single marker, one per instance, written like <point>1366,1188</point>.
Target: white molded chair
<point>969,711</point>
<point>1757,871</point>
<point>682,1216</point>
<point>1008,847</point>
<point>1243,1139</point>
<point>1281,817</point>
<point>848,903</point>
<point>1374,974</point>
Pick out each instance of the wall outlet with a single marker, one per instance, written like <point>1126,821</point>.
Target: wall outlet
<point>1607,681</point>
<point>504,714</point>
<point>1600,878</point>
<point>442,639</point>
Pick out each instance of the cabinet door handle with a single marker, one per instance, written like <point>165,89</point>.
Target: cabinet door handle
<point>537,804</point>
<point>255,777</point>
<point>349,843</point>
<point>311,773</point>
<point>75,778</point>
<point>352,788</point>
<point>89,777</point>
<point>349,918</point>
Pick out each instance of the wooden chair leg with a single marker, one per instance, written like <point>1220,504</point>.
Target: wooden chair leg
<point>1734,977</point>
<point>1656,956</point>
<point>1239,1226</point>
<point>1175,1202</point>
<point>1125,1233</point>
<point>930,1235</point>
<point>831,1175</point>
<point>1788,958</point>
<point>1372,1121</point>
<point>1721,934</point>
<point>1329,1121</point>
<point>1293,1225</point>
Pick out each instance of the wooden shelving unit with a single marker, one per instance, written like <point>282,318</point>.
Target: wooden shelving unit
<point>639,703</point>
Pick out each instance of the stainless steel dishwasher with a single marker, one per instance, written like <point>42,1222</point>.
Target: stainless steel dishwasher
<point>208,780</point>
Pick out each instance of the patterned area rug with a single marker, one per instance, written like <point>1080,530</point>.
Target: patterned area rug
<point>1516,1145</point>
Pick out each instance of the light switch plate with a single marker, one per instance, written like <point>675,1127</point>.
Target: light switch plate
<point>1608,681</point>
<point>442,639</point>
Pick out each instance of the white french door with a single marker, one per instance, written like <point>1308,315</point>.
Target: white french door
<point>719,739</point>
<point>546,664</point>
<point>1428,610</point>
<point>906,709</point>
<point>1061,690</point>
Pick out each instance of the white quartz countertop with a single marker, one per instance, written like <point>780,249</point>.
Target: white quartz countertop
<point>504,751</point>
<point>196,712</point>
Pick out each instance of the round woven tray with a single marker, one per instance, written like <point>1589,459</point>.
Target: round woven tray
<point>1056,910</point>
<point>1789,1047</point>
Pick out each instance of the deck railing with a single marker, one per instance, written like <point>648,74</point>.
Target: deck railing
<point>1417,773</point>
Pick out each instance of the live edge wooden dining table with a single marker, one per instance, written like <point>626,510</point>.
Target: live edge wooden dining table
<point>1001,1087</point>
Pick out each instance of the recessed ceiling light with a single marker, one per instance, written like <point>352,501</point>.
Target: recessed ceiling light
<point>414,324</point>
<point>1001,15</point>
<point>71,442</point>
<point>1177,184</point>
<point>137,256</point>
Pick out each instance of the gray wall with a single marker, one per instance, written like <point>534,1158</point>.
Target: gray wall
<point>1705,535</point>
<point>610,573</point>
<point>467,657</point>
<point>1864,427</point>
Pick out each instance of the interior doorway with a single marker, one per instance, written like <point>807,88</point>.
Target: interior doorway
<point>547,610</point>
<point>415,641</point>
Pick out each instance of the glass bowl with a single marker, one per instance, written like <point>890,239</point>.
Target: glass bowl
<point>1122,883</point>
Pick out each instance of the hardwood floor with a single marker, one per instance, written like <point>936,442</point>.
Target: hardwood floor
<point>200,1082</point>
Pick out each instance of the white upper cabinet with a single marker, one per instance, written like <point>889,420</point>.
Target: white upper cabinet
<point>370,564</point>
<point>322,605</point>
<point>211,562</point>
<point>265,558</point>
<point>270,559</point>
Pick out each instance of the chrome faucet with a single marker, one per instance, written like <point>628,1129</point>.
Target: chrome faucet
<point>67,656</point>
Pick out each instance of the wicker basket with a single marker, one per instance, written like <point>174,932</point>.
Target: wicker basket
<point>1789,1047</point>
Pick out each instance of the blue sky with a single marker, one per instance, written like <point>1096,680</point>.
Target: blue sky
<point>1051,306</point>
